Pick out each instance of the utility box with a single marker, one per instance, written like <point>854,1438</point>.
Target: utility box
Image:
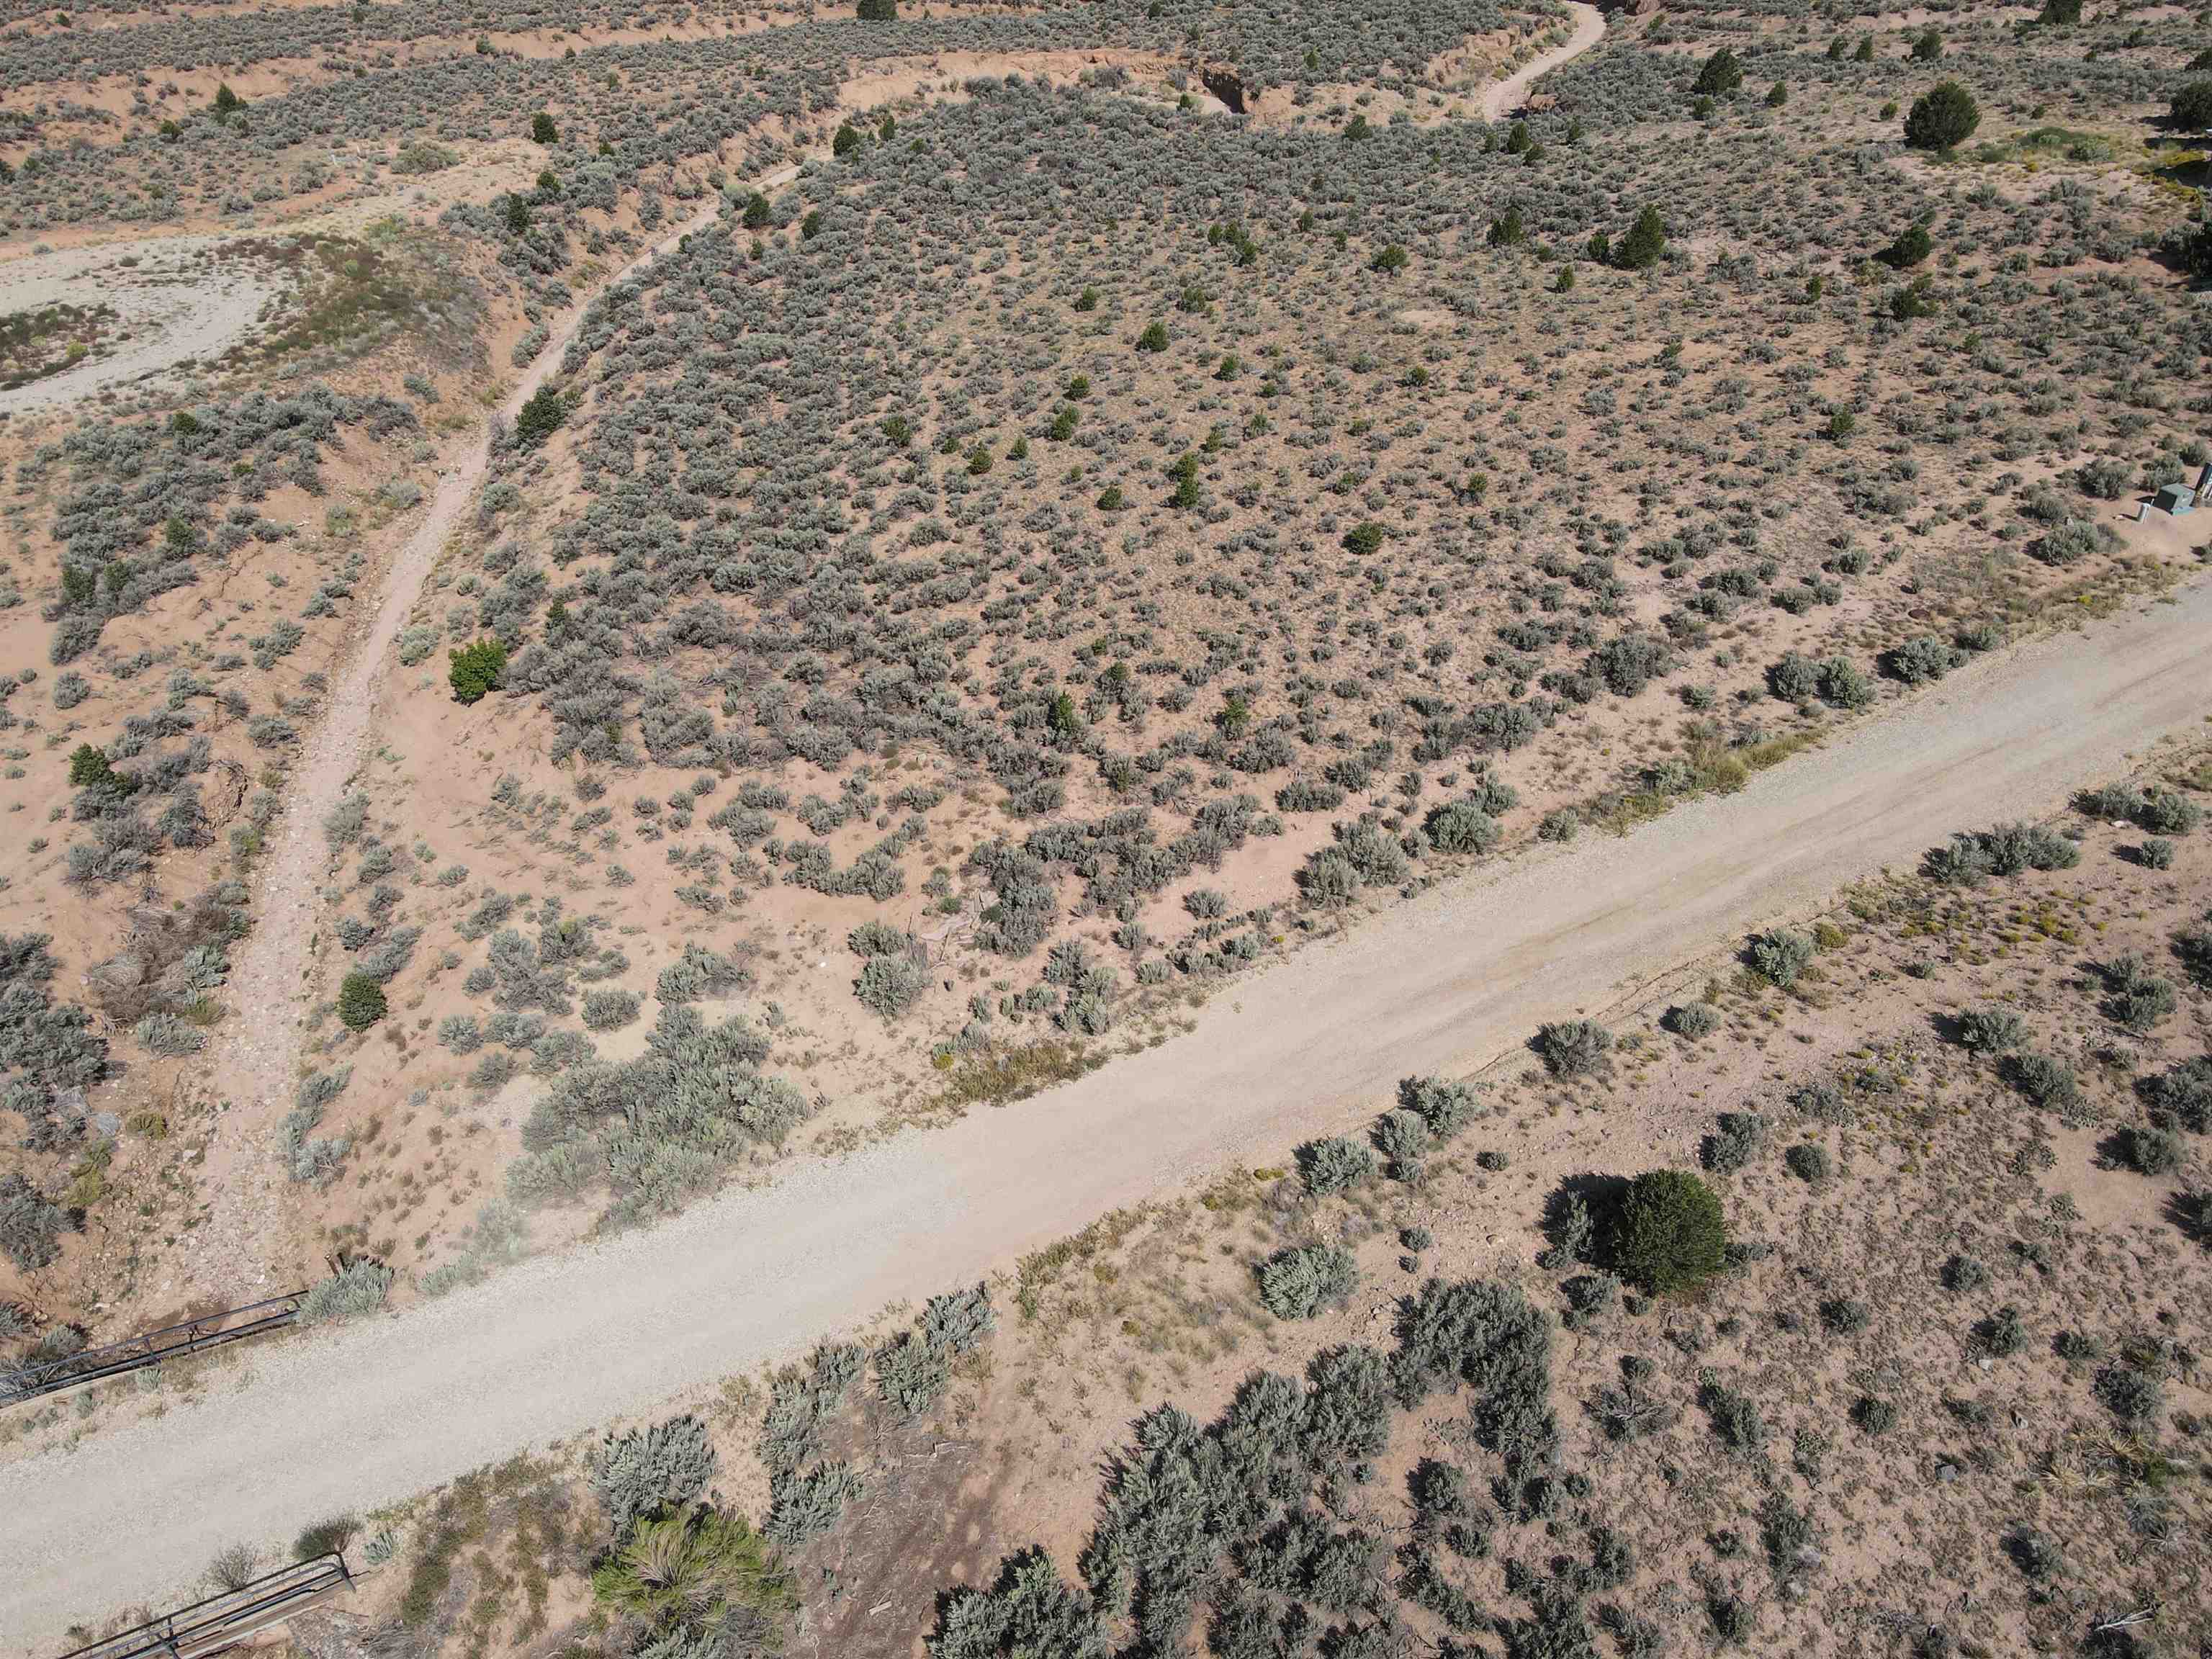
<point>2174,499</point>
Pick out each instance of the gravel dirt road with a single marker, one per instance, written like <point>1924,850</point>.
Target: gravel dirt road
<point>1448,982</point>
<point>1509,95</point>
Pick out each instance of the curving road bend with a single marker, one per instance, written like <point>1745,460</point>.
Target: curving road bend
<point>1455,979</point>
<point>1509,95</point>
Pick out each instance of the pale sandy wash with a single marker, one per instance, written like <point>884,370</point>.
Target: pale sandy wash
<point>180,305</point>
<point>1450,982</point>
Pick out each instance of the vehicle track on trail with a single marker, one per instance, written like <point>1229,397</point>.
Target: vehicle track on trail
<point>1448,982</point>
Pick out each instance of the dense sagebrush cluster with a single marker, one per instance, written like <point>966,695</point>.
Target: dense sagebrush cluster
<point>50,1053</point>
<point>770,565</point>
<point>658,1129</point>
<point>135,524</point>
<point>1245,1520</point>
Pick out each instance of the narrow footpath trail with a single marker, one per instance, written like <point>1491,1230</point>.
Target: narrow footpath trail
<point>372,1413</point>
<point>229,1256</point>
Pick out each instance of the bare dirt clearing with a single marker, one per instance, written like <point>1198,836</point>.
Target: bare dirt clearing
<point>1454,981</point>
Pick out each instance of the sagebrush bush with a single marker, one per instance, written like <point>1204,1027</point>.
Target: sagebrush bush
<point>1991,1030</point>
<point>1737,1139</point>
<point>642,1472</point>
<point>31,1225</point>
<point>1301,1280</point>
<point>359,1287</point>
<point>1572,1047</point>
<point>1693,1020</point>
<point>1781,956</point>
<point>1330,1166</point>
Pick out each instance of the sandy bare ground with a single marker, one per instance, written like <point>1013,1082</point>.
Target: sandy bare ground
<point>1450,982</point>
<point>176,303</point>
<point>258,1066</point>
<point>1510,93</point>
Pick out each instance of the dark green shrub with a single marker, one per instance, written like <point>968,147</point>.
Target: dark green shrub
<point>360,1002</point>
<point>2192,107</point>
<point>1912,246</point>
<point>540,418</point>
<point>1154,338</point>
<point>1671,1234</point>
<point>1646,240</point>
<point>542,129</point>
<point>476,669</point>
<point>1942,120</point>
<point>1721,73</point>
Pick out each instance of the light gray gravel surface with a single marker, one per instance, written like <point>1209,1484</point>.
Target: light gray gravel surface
<point>1447,982</point>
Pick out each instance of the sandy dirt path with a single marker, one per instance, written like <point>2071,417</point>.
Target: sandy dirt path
<point>1449,983</point>
<point>1509,95</point>
<point>272,978</point>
